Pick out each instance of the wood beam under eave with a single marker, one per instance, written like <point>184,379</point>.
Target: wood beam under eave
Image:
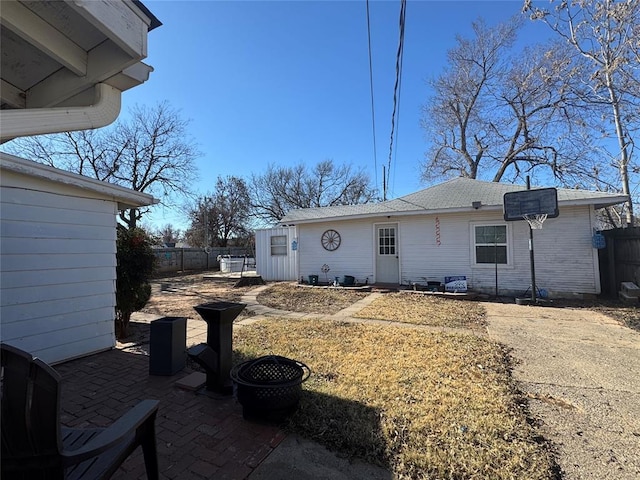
<point>12,96</point>
<point>105,61</point>
<point>33,29</point>
<point>119,22</point>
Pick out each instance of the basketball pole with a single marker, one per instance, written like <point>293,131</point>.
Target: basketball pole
<point>531,258</point>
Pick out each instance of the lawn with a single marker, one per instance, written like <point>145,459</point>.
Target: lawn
<point>423,404</point>
<point>421,309</point>
<point>293,298</point>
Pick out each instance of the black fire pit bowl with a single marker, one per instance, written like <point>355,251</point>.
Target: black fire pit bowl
<point>269,387</point>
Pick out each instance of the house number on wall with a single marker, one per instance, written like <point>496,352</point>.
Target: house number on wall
<point>330,240</point>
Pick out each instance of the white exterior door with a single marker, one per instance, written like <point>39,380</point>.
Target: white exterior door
<point>387,263</point>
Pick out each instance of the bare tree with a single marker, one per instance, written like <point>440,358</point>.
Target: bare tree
<point>454,117</point>
<point>501,116</point>
<point>544,130</point>
<point>220,216</point>
<point>605,33</point>
<point>281,189</point>
<point>150,152</point>
<point>169,234</point>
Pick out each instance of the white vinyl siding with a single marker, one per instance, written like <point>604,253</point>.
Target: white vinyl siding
<point>433,247</point>
<point>565,261</point>
<point>57,280</point>
<point>355,256</point>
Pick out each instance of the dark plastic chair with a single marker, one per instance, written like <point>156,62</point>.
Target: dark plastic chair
<point>35,445</point>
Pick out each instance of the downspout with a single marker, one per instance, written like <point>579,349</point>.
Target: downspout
<point>39,121</point>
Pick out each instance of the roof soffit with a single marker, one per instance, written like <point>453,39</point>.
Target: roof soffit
<point>54,50</point>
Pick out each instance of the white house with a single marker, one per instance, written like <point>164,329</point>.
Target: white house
<point>441,232</point>
<point>64,66</point>
<point>57,259</point>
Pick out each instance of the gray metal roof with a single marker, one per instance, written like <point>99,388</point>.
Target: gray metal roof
<point>455,195</point>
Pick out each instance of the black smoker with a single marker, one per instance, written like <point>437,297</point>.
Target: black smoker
<point>215,355</point>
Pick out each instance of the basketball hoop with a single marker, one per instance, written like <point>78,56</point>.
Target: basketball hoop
<point>535,220</point>
<point>534,206</point>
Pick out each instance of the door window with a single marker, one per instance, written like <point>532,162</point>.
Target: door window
<point>387,241</point>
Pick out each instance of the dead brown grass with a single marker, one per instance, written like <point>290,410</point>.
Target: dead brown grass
<point>292,298</point>
<point>175,296</point>
<point>426,310</point>
<point>424,404</point>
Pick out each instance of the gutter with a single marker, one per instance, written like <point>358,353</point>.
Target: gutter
<point>39,121</point>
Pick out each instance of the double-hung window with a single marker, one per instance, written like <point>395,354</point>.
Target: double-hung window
<point>491,245</point>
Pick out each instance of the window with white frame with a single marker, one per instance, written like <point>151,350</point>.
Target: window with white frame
<point>279,245</point>
<point>490,243</point>
<point>386,240</point>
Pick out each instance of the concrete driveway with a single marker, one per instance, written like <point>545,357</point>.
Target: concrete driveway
<point>581,372</point>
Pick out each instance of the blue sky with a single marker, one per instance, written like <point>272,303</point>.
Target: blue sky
<point>284,82</point>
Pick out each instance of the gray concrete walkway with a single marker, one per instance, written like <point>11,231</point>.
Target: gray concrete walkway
<point>580,370</point>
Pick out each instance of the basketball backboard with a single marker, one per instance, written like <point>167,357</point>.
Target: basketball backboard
<point>530,202</point>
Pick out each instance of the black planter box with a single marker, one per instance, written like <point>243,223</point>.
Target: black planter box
<point>167,345</point>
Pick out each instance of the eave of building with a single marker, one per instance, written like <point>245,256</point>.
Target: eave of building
<point>125,197</point>
<point>390,214</point>
<point>55,55</point>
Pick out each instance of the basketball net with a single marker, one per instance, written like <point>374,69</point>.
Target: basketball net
<point>535,220</point>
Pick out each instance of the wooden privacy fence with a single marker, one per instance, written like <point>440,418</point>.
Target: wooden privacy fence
<point>181,259</point>
<point>620,259</point>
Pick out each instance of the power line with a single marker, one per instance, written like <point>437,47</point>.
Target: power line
<point>373,114</point>
<point>396,89</point>
<point>395,152</point>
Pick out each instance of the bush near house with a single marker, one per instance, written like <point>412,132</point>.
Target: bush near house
<point>135,261</point>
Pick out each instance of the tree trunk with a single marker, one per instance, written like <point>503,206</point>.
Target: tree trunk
<point>122,325</point>
<point>624,149</point>
<point>130,217</point>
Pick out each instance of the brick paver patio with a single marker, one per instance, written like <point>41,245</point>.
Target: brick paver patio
<point>197,436</point>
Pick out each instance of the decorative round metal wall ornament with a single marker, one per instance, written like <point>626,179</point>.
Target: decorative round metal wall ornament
<point>330,240</point>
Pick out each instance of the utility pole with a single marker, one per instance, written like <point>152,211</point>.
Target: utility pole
<point>205,214</point>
